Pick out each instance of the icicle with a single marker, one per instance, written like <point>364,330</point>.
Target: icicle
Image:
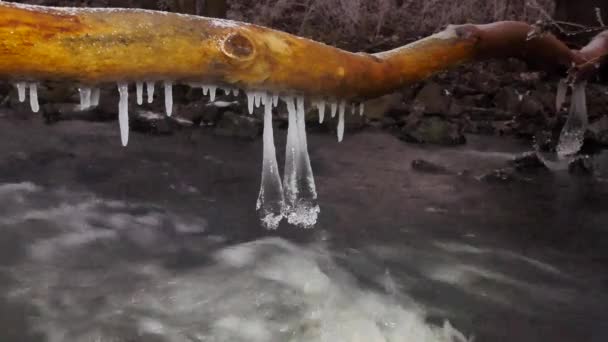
<point>361,109</point>
<point>321,106</point>
<point>205,90</point>
<point>169,98</point>
<point>212,93</point>
<point>562,90</point>
<point>34,97</point>
<point>275,100</point>
<point>236,91</point>
<point>85,98</point>
<point>150,91</point>
<point>140,92</point>
<point>227,91</point>
<point>301,208</point>
<point>95,94</point>
<point>250,100</point>
<point>270,202</point>
<point>123,112</point>
<point>341,121</point>
<point>334,109</point>
<point>353,109</point>
<point>257,97</point>
<point>573,134</point>
<point>21,86</point>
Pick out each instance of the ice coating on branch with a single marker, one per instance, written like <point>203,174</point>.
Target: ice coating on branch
<point>270,202</point>
<point>85,98</point>
<point>150,91</point>
<point>169,98</point>
<point>341,121</point>
<point>123,112</point>
<point>573,134</point>
<point>21,87</point>
<point>139,89</point>
<point>301,207</point>
<point>95,95</point>
<point>34,97</point>
<point>560,98</point>
<point>321,107</point>
<point>334,109</point>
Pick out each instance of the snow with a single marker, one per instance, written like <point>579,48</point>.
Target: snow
<point>123,112</point>
<point>140,92</point>
<point>301,207</point>
<point>21,86</point>
<point>95,94</point>
<point>270,202</point>
<point>341,121</point>
<point>150,91</point>
<point>85,98</point>
<point>573,134</point>
<point>34,97</point>
<point>169,98</point>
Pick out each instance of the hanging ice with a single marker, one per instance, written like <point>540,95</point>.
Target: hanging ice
<point>573,134</point>
<point>95,94</point>
<point>270,200</point>
<point>150,91</point>
<point>560,98</point>
<point>275,100</point>
<point>301,207</point>
<point>334,109</point>
<point>205,90</point>
<point>361,109</point>
<point>212,93</point>
<point>257,98</point>
<point>34,97</point>
<point>341,121</point>
<point>169,98</point>
<point>21,86</point>
<point>85,98</point>
<point>123,112</point>
<point>250,101</point>
<point>321,106</point>
<point>140,92</point>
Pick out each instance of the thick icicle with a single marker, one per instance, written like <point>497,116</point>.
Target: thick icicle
<point>212,93</point>
<point>21,87</point>
<point>85,98</point>
<point>321,106</point>
<point>123,112</point>
<point>139,88</point>
<point>257,99</point>
<point>334,109</point>
<point>34,97</point>
<point>301,207</point>
<point>270,200</point>
<point>560,98</point>
<point>573,134</point>
<point>250,101</point>
<point>341,121</point>
<point>275,100</point>
<point>169,98</point>
<point>95,94</point>
<point>150,91</point>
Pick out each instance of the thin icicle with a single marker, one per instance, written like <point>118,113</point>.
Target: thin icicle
<point>572,136</point>
<point>123,112</point>
<point>169,98</point>
<point>150,91</point>
<point>85,98</point>
<point>270,202</point>
<point>34,97</point>
<point>95,95</point>
<point>341,121</point>
<point>21,87</point>
<point>212,93</point>
<point>140,92</point>
<point>257,97</point>
<point>275,100</point>
<point>361,109</point>
<point>301,208</point>
<point>205,90</point>
<point>560,98</point>
<point>334,109</point>
<point>250,101</point>
<point>321,106</point>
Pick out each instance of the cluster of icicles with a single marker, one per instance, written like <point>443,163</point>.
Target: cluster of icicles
<point>295,198</point>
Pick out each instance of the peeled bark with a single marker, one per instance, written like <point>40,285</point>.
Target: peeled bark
<point>92,46</point>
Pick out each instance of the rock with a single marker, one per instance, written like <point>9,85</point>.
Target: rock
<point>431,99</point>
<point>240,126</point>
<point>377,109</point>
<point>424,166</point>
<point>531,106</point>
<point>150,122</point>
<point>508,99</point>
<point>433,130</point>
<point>505,175</point>
<point>528,161</point>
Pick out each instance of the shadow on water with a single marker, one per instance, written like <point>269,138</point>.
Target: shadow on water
<point>160,242</point>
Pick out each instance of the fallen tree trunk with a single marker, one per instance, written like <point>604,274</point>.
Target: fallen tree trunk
<point>92,46</point>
